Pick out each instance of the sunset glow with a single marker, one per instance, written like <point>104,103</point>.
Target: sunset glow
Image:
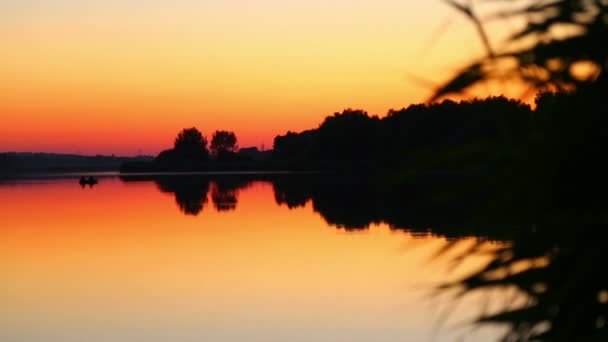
<point>144,271</point>
<point>124,77</point>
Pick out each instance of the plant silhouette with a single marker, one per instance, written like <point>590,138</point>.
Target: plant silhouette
<point>561,46</point>
<point>223,144</point>
<point>559,175</point>
<point>189,150</point>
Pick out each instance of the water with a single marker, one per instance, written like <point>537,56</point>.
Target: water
<point>146,259</point>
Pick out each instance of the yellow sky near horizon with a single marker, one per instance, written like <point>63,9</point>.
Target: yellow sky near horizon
<point>124,76</point>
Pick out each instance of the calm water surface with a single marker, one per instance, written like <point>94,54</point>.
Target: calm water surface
<point>146,260</point>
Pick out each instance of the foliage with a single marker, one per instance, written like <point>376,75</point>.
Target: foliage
<point>294,146</point>
<point>347,136</point>
<point>559,269</point>
<point>560,175</point>
<point>561,46</point>
<point>190,140</point>
<point>222,143</point>
<point>354,136</point>
<point>189,149</point>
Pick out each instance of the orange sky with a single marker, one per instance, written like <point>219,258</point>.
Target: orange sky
<point>124,77</point>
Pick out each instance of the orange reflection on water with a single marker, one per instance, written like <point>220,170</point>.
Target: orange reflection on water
<point>121,262</point>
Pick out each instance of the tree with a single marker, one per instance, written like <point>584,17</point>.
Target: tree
<point>348,136</point>
<point>191,144</point>
<point>223,143</point>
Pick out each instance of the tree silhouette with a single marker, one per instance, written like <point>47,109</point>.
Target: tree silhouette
<point>354,138</point>
<point>223,143</point>
<point>295,146</point>
<point>348,136</point>
<point>191,141</point>
<point>189,150</point>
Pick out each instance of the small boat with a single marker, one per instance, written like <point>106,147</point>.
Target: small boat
<point>90,181</point>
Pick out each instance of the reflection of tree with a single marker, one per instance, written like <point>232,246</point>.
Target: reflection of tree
<point>225,191</point>
<point>560,269</point>
<point>353,203</point>
<point>347,205</point>
<point>293,194</point>
<point>224,199</point>
<point>190,192</point>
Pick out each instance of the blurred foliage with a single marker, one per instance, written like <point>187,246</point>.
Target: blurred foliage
<point>560,46</point>
<point>560,271</point>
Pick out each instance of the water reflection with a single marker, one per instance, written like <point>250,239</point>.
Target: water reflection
<point>348,204</point>
<point>225,192</point>
<point>190,192</point>
<point>344,204</point>
<point>557,268</point>
<point>261,252</point>
<point>124,263</point>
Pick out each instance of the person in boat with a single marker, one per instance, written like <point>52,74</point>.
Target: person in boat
<point>90,181</point>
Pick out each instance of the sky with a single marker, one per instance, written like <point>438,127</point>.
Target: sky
<point>124,76</point>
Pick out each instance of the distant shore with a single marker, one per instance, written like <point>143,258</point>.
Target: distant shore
<point>14,164</point>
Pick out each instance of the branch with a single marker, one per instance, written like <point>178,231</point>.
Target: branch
<point>468,11</point>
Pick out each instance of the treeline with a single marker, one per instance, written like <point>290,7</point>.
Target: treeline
<point>546,163</point>
<point>541,165</point>
<point>191,151</point>
<point>355,137</point>
<point>20,163</point>
<point>417,137</point>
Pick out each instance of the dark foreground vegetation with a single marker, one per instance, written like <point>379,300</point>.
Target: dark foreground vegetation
<point>560,171</point>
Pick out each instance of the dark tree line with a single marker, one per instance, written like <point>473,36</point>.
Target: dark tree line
<point>356,137</point>
<point>192,151</point>
<point>545,163</point>
<point>190,147</point>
